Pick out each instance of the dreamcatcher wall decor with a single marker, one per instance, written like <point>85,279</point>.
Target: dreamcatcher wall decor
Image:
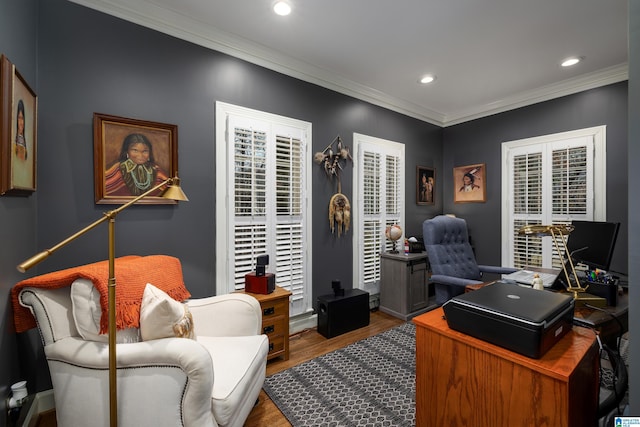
<point>333,161</point>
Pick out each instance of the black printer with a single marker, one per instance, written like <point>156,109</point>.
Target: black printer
<point>520,319</point>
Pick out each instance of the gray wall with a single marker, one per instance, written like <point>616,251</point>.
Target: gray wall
<point>118,68</point>
<point>479,141</point>
<point>17,214</point>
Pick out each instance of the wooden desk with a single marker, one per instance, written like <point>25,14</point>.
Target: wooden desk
<point>604,320</point>
<point>471,288</point>
<point>464,381</point>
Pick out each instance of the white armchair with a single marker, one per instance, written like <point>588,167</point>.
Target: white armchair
<point>213,380</point>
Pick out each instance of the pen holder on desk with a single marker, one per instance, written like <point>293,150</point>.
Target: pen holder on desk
<point>608,290</point>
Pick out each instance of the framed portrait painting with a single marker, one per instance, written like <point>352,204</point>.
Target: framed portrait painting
<point>18,131</point>
<point>469,183</point>
<point>132,156</point>
<point>425,185</point>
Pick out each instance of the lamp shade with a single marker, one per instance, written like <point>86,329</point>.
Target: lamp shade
<point>174,192</point>
<point>545,230</point>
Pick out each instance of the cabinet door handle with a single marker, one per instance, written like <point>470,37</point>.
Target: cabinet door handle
<point>268,311</point>
<point>270,346</point>
<point>268,329</point>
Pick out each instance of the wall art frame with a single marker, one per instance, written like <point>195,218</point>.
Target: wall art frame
<point>470,184</point>
<point>131,156</point>
<point>18,132</point>
<point>425,185</point>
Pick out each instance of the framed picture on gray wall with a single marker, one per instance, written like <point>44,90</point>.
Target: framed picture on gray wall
<point>425,185</point>
<point>18,132</point>
<point>469,183</point>
<point>132,156</point>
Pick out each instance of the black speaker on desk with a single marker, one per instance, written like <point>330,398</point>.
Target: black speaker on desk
<point>338,314</point>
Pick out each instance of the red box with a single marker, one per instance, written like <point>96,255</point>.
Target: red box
<point>259,284</point>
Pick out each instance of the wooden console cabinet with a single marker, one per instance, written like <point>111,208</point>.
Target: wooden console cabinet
<point>464,381</point>
<point>275,321</point>
<point>404,284</point>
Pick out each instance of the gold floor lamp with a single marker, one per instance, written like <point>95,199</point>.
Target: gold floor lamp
<point>173,192</point>
<point>558,231</point>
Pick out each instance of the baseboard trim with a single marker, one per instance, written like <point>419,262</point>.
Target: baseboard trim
<point>303,321</point>
<point>374,301</point>
<point>42,402</point>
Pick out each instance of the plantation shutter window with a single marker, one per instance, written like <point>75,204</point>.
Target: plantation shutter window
<point>265,190</point>
<point>550,180</point>
<point>379,186</point>
<point>570,176</point>
<point>527,207</point>
<point>289,216</point>
<point>372,227</point>
<point>250,236</point>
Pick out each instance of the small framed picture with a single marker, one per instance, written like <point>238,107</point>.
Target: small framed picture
<point>469,184</point>
<point>425,185</point>
<point>131,157</point>
<point>18,132</point>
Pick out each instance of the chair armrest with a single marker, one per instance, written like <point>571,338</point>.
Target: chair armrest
<point>455,281</point>
<point>52,309</point>
<point>230,315</point>
<point>172,375</point>
<point>496,270</point>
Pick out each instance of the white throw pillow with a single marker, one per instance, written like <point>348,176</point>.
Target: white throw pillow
<point>87,311</point>
<point>162,317</point>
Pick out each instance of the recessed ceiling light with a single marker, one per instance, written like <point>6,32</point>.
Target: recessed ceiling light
<point>427,79</point>
<point>571,61</point>
<point>282,8</point>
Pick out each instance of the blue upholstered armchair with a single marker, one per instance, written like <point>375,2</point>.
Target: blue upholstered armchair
<point>453,264</point>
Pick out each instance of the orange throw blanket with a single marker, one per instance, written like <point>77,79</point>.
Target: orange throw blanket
<point>132,275</point>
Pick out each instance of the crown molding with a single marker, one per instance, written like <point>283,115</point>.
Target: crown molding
<point>169,22</point>
<point>581,83</point>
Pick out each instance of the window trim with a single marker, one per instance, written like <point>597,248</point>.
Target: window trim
<point>598,133</point>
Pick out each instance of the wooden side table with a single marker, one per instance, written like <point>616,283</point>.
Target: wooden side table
<point>275,321</point>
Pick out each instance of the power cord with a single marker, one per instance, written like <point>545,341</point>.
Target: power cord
<point>620,325</point>
<point>620,378</point>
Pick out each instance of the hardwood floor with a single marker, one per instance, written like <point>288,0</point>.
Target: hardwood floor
<point>306,346</point>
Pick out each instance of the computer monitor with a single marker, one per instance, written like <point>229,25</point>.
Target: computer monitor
<point>592,243</point>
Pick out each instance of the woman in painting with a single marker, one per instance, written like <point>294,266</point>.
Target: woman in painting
<point>135,171</point>
<point>21,142</point>
<point>468,183</point>
<point>426,189</point>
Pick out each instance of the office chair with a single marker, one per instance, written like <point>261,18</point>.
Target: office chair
<point>453,263</point>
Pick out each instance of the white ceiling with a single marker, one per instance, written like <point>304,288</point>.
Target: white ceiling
<point>489,55</point>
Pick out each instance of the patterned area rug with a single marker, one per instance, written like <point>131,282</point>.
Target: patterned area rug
<point>370,382</point>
